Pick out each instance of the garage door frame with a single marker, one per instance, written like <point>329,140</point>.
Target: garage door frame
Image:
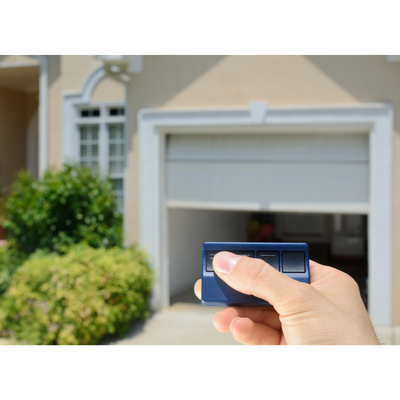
<point>376,119</point>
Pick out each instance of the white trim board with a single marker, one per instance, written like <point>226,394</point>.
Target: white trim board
<point>376,119</point>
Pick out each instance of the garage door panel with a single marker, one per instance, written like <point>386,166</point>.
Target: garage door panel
<point>324,183</point>
<point>268,147</point>
<point>265,183</point>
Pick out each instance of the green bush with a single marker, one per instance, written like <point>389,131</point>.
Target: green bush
<point>76,298</point>
<point>2,202</point>
<point>6,270</point>
<point>9,261</point>
<point>61,209</point>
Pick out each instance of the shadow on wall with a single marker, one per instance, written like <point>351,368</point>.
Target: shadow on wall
<point>366,78</point>
<point>156,85</point>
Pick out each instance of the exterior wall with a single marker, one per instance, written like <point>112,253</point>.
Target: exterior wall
<point>75,71</point>
<point>172,82</point>
<point>108,90</point>
<point>16,111</point>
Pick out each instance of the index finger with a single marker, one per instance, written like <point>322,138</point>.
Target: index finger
<point>197,289</point>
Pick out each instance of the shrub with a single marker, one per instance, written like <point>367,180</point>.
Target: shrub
<point>76,298</point>
<point>9,261</point>
<point>61,209</point>
<point>2,201</point>
<point>6,270</point>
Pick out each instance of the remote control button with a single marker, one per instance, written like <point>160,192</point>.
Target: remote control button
<point>293,261</point>
<point>211,254</point>
<point>270,257</point>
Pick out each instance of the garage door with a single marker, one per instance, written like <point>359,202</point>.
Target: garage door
<point>271,172</point>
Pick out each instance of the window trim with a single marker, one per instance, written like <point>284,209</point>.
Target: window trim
<point>102,121</point>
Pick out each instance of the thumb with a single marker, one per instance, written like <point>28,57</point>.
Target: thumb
<point>256,277</point>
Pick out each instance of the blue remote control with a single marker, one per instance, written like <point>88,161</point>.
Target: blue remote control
<point>289,258</point>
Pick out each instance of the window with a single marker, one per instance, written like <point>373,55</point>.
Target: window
<point>116,111</point>
<point>118,185</point>
<point>116,161</point>
<point>90,113</point>
<point>89,147</point>
<point>116,144</point>
<point>101,138</point>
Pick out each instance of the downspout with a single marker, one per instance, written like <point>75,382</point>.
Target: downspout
<point>43,113</point>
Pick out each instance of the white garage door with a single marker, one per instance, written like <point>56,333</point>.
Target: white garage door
<point>276,172</point>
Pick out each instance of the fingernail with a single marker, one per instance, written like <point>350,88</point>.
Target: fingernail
<point>230,326</point>
<point>224,262</point>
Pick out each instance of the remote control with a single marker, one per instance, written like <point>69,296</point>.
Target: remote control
<point>290,259</point>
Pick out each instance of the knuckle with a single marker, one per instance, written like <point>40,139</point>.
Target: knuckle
<point>257,275</point>
<point>255,272</point>
<point>346,280</point>
<point>304,296</point>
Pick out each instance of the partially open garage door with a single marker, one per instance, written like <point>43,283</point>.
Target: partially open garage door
<point>272,172</point>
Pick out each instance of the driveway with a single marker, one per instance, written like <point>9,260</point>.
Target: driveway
<point>186,321</point>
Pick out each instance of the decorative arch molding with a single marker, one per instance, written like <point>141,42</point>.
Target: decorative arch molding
<point>69,104</point>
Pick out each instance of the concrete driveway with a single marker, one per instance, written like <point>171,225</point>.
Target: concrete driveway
<point>186,321</point>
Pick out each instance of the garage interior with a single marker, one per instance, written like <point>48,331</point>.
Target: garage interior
<point>337,240</point>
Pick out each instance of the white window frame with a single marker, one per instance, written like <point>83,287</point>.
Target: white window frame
<point>71,105</point>
<point>102,121</point>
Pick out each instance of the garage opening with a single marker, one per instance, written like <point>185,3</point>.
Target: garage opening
<point>291,176</point>
<point>338,240</point>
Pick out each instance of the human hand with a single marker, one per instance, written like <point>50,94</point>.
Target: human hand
<point>329,310</point>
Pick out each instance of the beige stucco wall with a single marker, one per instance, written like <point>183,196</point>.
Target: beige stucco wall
<point>108,90</point>
<point>234,81</point>
<point>16,110</point>
<point>75,71</point>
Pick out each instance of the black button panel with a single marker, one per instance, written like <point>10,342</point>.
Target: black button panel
<point>293,261</point>
<point>270,257</point>
<point>211,254</point>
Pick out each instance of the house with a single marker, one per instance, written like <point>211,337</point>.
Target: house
<point>209,148</point>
